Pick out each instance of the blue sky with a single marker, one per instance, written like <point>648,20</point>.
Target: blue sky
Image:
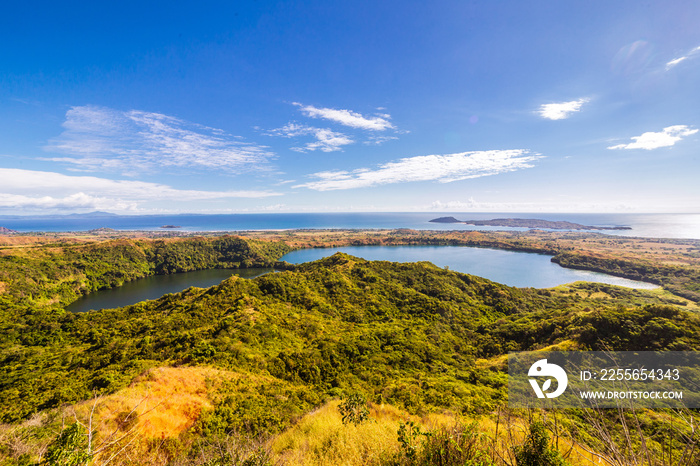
<point>446,106</point>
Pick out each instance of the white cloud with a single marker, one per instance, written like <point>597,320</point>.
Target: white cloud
<point>651,140</point>
<point>23,189</point>
<point>291,130</point>
<point>441,168</point>
<point>567,206</point>
<point>674,62</point>
<point>75,201</point>
<point>561,110</point>
<point>326,140</point>
<point>348,118</point>
<point>102,138</point>
<point>455,206</point>
<point>377,140</point>
<point>680,59</point>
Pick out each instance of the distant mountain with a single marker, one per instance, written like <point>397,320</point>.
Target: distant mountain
<point>527,223</point>
<point>90,215</point>
<point>96,214</point>
<point>4,231</point>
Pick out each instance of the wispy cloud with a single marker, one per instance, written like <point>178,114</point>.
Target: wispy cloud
<point>674,62</point>
<point>326,140</point>
<point>49,190</point>
<point>291,130</point>
<point>567,206</point>
<point>103,138</point>
<point>682,58</point>
<point>441,168</point>
<point>77,201</point>
<point>349,118</point>
<point>561,110</point>
<point>378,140</point>
<point>653,140</point>
<point>469,204</point>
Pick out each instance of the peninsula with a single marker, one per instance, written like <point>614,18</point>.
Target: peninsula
<point>527,223</point>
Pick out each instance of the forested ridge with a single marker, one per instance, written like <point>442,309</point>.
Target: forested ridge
<point>671,263</point>
<point>681,281</point>
<point>58,274</point>
<point>416,336</point>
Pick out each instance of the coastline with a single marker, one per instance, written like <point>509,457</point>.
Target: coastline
<point>643,225</point>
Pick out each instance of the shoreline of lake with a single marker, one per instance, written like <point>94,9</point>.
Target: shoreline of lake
<point>156,286</point>
<point>498,265</point>
<point>527,269</point>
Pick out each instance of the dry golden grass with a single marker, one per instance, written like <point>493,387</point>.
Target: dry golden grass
<point>157,407</point>
<point>160,404</point>
<point>137,423</point>
<point>320,438</point>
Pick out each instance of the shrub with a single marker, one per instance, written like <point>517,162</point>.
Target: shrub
<point>354,409</point>
<point>69,448</point>
<point>537,451</point>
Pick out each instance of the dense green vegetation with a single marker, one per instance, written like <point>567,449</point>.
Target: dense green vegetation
<point>671,263</point>
<point>413,335</point>
<point>59,275</point>
<point>682,281</point>
<point>408,334</point>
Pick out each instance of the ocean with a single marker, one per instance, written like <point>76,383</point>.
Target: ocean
<point>643,225</point>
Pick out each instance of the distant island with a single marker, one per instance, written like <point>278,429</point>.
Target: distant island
<point>4,230</point>
<point>171,226</point>
<point>102,230</point>
<point>527,223</point>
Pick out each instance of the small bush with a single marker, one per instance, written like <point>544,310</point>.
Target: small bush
<point>69,448</point>
<point>537,451</point>
<point>457,446</point>
<point>354,409</point>
<point>409,441</point>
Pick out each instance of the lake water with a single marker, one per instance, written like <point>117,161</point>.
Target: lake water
<point>512,268</point>
<point>156,286</point>
<point>519,269</point>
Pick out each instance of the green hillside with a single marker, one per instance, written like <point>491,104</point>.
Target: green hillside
<point>415,336</point>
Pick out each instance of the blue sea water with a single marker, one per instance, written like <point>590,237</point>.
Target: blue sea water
<point>643,225</point>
